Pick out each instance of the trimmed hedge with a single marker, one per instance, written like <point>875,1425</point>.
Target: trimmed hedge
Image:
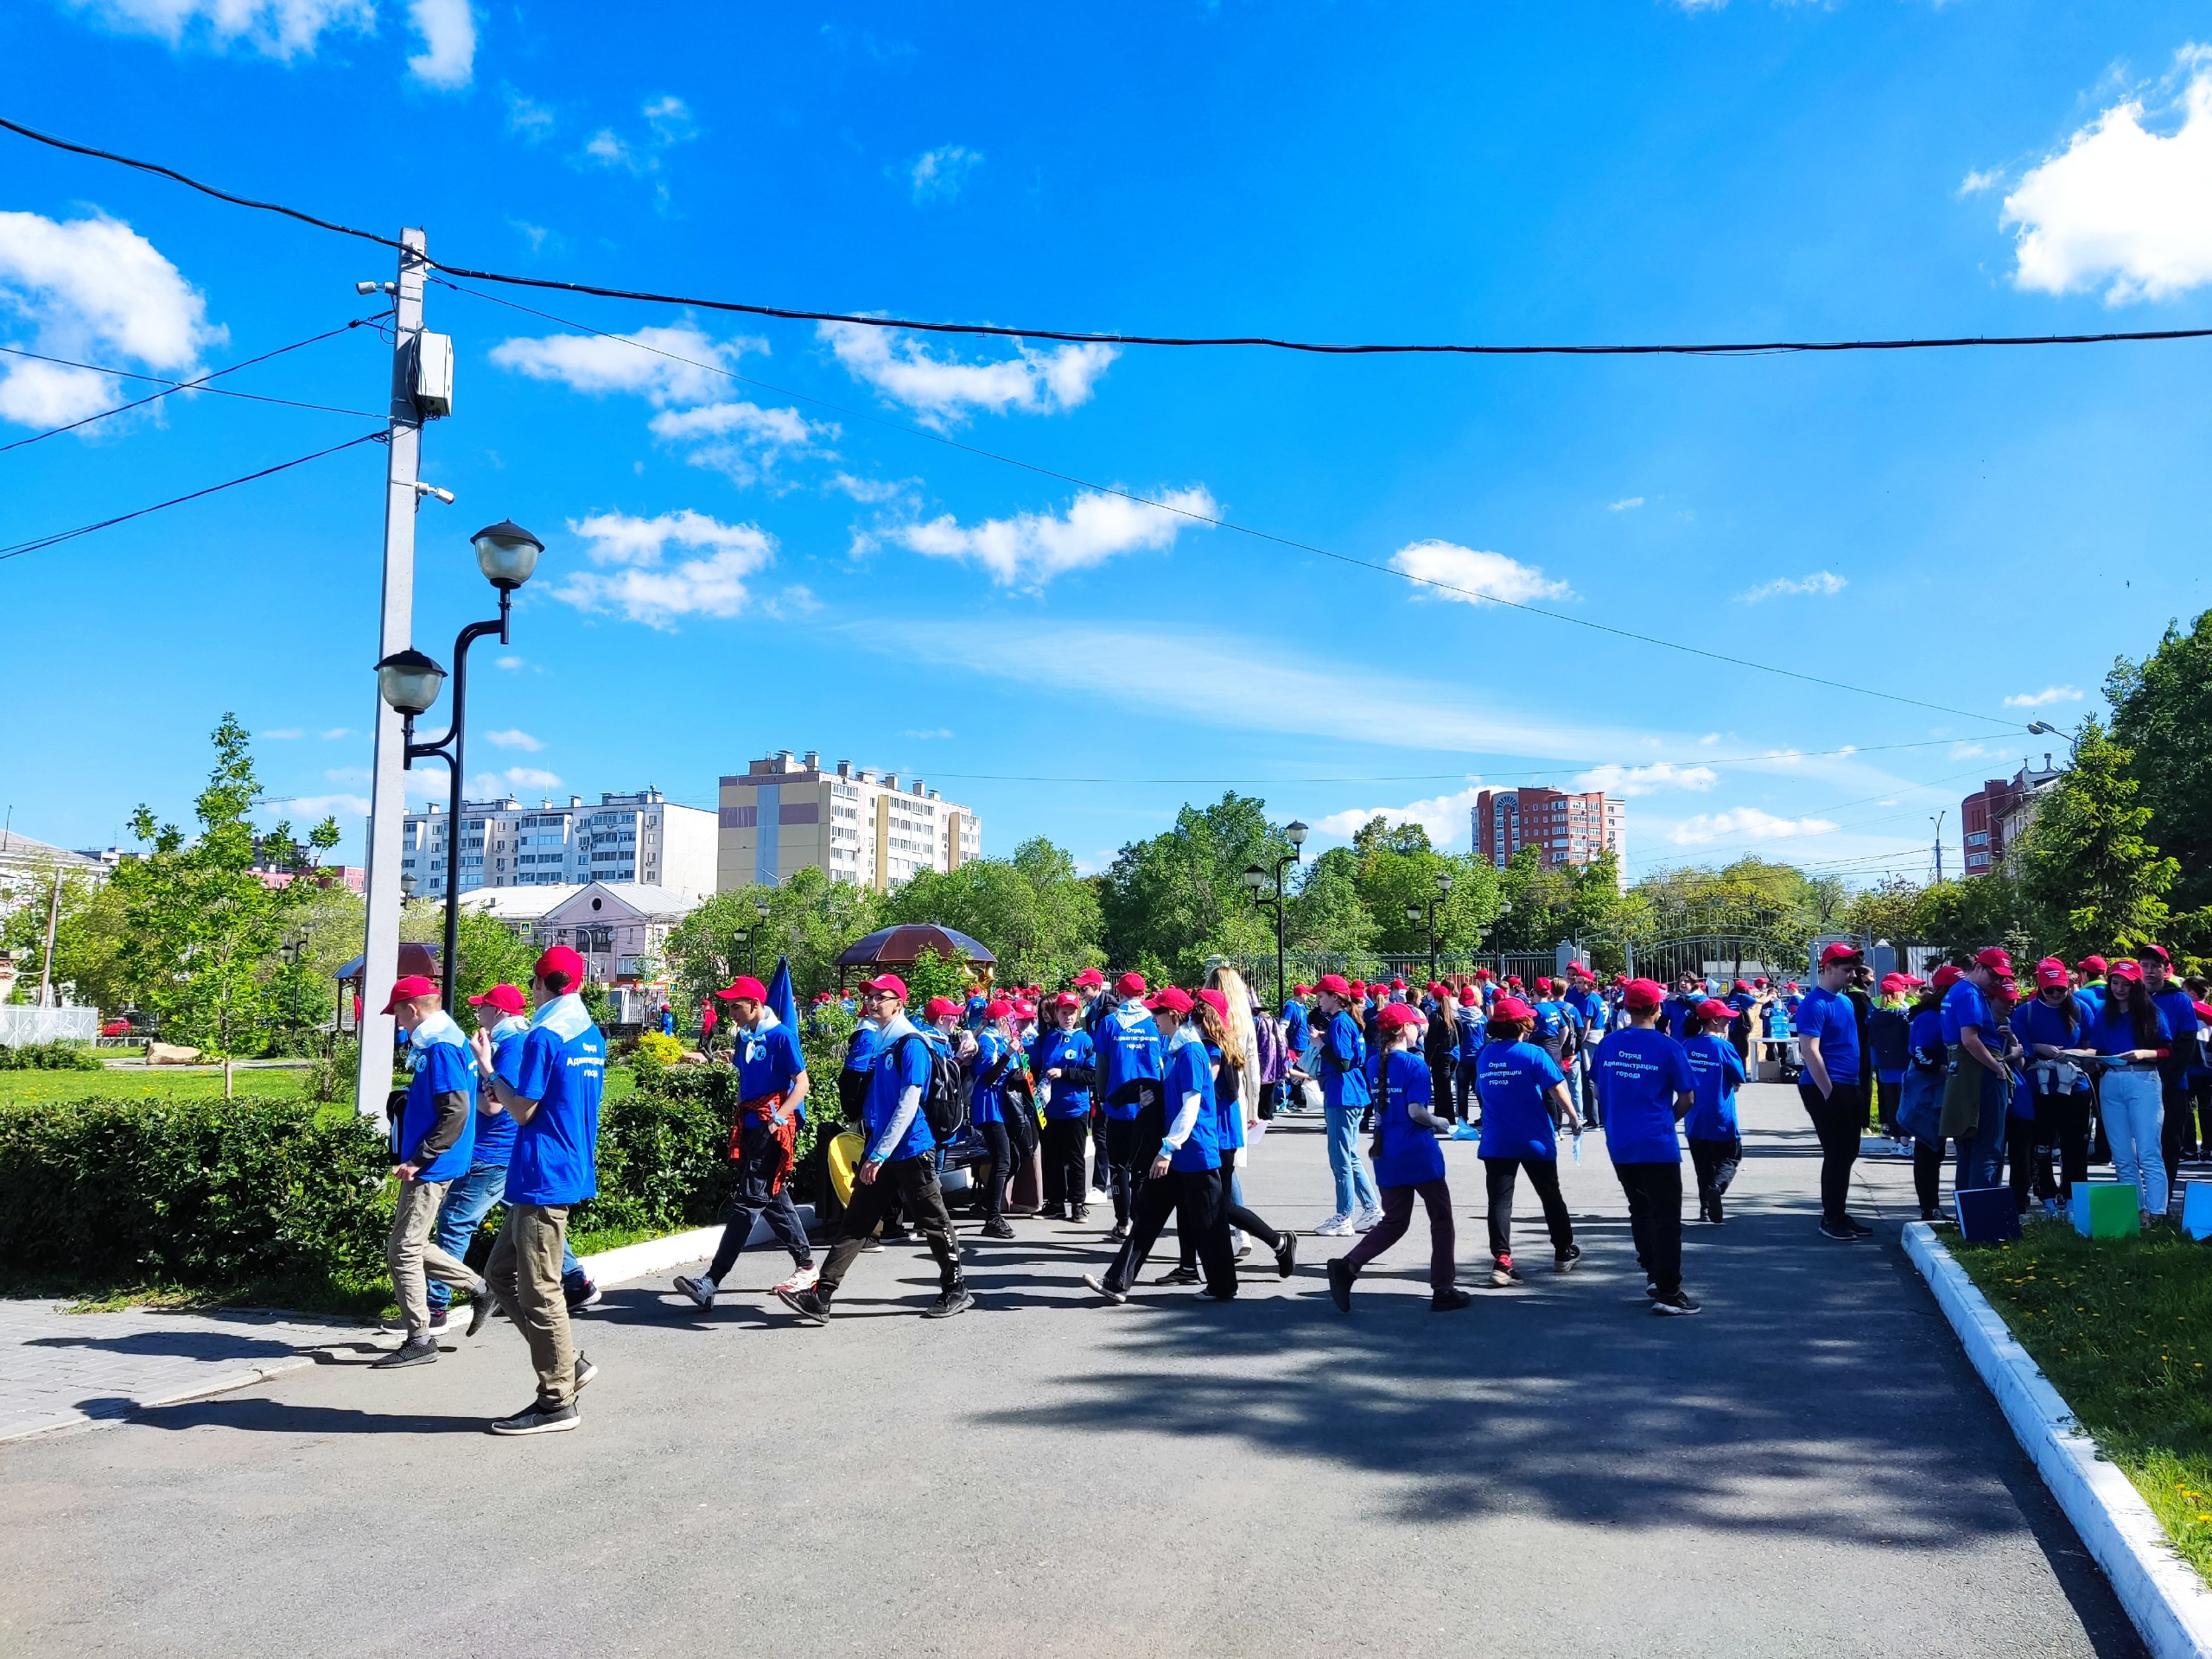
<point>49,1057</point>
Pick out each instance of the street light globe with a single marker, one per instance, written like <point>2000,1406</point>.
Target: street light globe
<point>1296,831</point>
<point>506,554</point>
<point>1254,877</point>
<point>409,681</point>
<point>760,908</point>
<point>1412,913</point>
<point>1444,881</point>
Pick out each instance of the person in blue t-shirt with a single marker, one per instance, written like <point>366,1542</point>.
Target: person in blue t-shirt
<point>1130,1055</point>
<point>1832,1083</point>
<point>1977,1097</point>
<point>1340,1060</point>
<point>481,1191</point>
<point>899,1161</point>
<point>1646,1083</point>
<point>1524,1101</point>
<point>431,1144</point>
<point>1408,1163</point>
<point>772,1090</point>
<point>1715,1138</point>
<point>1063,1061</point>
<point>1919,1110</point>
<point>551,1084</point>
<point>2059,1091</point>
<point>996,1070</point>
<point>2132,1033</point>
<point>1469,1017</point>
<point>2178,1131</point>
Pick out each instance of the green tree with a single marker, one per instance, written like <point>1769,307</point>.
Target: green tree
<point>1960,917</point>
<point>810,918</point>
<point>202,927</point>
<point>1032,912</point>
<point>2161,710</point>
<point>1171,902</point>
<point>1326,914</point>
<point>88,939</point>
<point>1399,870</point>
<point>2087,859</point>
<point>1889,910</point>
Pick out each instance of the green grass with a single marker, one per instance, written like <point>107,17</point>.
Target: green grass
<point>43,1088</point>
<point>2123,1329</point>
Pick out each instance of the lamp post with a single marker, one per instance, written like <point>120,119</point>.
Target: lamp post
<point>1256,878</point>
<point>294,943</point>
<point>1415,914</point>
<point>409,681</point>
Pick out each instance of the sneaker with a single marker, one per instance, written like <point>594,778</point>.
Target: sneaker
<point>1858,1227</point>
<point>1212,1295</point>
<point>950,1302</point>
<point>585,1371</point>
<point>1098,1283</point>
<point>1117,1232</point>
<point>482,1305</point>
<point>416,1350</point>
<point>1651,1290</point>
<point>1931,1214</point>
<point>1368,1221</point>
<point>807,1303</point>
<point>1565,1260</point>
<point>438,1319</point>
<point>701,1290</point>
<point>1053,1213</point>
<point>1243,1249</point>
<point>1337,1226</point>
<point>801,1279</point>
<point>1286,1255</point>
<point>1179,1276</point>
<point>899,1235</point>
<point>1340,1278</point>
<point>1080,1214</point>
<point>1449,1302</point>
<point>1839,1232</point>
<point>585,1295</point>
<point>871,1242</point>
<point>535,1419</point>
<point>1502,1277</point>
<point>1674,1306</point>
<point>998,1227</point>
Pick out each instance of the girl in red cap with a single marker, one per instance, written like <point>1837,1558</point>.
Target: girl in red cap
<point>1524,1097</point>
<point>1408,1163</point>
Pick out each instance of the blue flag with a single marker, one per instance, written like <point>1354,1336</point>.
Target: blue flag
<point>785,1006</point>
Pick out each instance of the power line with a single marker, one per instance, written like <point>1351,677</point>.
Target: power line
<point>38,543</point>
<point>1224,523</point>
<point>794,314</point>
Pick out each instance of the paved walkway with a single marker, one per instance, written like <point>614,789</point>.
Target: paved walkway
<point>1810,1467</point>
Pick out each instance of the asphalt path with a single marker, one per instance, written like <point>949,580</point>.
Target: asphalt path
<point>1808,1467</point>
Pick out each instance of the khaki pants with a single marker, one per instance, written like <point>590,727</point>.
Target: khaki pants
<point>525,1273</point>
<point>412,1255</point>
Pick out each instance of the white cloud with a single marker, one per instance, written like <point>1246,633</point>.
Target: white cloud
<point>447,60</point>
<point>1978,181</point>
<point>1030,549</point>
<point>1625,503</point>
<point>277,28</point>
<point>334,733</point>
<point>873,491</point>
<point>2121,203</point>
<point>1822,583</point>
<point>514,737</point>
<point>928,736</point>
<point>663,365</point>
<point>1447,570</point>
<point>938,175</point>
<point>2044,698</point>
<point>1701,5</point>
<point>1445,817</point>
<point>509,663</point>
<point>1745,824</point>
<point>1973,751</point>
<point>281,734</point>
<point>1628,781</point>
<point>493,784</point>
<point>741,440</point>
<point>646,585</point>
<point>92,287</point>
<point>669,117</point>
<point>902,369</point>
<point>311,809</point>
<point>527,118</point>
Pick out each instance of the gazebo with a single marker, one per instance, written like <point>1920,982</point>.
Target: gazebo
<point>907,942</point>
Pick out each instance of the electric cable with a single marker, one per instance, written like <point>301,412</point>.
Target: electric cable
<point>796,314</point>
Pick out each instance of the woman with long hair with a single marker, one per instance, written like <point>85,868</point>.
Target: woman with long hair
<point>1235,1108</point>
<point>2131,1035</point>
<point>1409,1164</point>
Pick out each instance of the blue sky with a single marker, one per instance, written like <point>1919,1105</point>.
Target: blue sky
<point>757,539</point>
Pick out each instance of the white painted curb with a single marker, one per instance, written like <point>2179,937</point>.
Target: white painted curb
<point>2168,1604</point>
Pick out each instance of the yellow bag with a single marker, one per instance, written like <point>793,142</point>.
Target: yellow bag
<point>846,1153</point>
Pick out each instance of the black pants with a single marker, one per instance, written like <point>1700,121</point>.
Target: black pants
<point>1716,1163</point>
<point>1236,1215</point>
<point>1655,1220</point>
<point>1194,1197</point>
<point>1122,1165</point>
<point>1888,1097</point>
<point>1441,1074</point>
<point>1927,1173</point>
<point>1499,1176</point>
<point>1064,1140</point>
<point>2178,1125</point>
<point>760,1161</point>
<point>1469,1097</point>
<point>911,1183</point>
<point>1003,1166</point>
<point>1837,1122</point>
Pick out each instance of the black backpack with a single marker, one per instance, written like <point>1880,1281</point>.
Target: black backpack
<point>944,1102</point>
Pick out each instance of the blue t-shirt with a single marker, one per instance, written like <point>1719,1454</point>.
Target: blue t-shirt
<point>1127,1042</point>
<point>2035,1021</point>
<point>902,1062</point>
<point>495,1131</point>
<point>860,1051</point>
<point>1720,1073</point>
<point>1513,1079</point>
<point>1189,1071</point>
<point>1406,1154</point>
<point>1828,1016</point>
<point>441,1065</point>
<point>1925,1034</point>
<point>2114,1032</point>
<point>985,1096</point>
<point>561,1065</point>
<point>1639,1071</point>
<point>2180,1009</point>
<point>768,1059</point>
<point>1057,1050</point>
<point>1342,1064</point>
<point>1964,1005</point>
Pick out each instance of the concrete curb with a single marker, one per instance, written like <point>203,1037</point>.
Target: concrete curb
<point>2168,1603</point>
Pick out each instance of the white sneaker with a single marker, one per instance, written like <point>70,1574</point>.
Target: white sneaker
<point>1337,1226</point>
<point>1369,1220</point>
<point>801,1279</point>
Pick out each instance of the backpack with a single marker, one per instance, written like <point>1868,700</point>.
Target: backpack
<point>944,1102</point>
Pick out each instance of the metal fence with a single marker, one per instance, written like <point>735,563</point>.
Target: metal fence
<point>1304,967</point>
<point>22,1026</point>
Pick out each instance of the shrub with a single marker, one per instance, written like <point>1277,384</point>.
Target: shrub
<point>49,1057</point>
<point>331,1078</point>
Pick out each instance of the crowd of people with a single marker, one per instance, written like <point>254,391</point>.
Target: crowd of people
<point>1149,1103</point>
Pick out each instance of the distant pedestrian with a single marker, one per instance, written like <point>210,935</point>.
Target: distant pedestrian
<point>1130,1054</point>
<point>1524,1103</point>
<point>1832,1085</point>
<point>1062,1059</point>
<point>1714,1136</point>
<point>1340,1060</point>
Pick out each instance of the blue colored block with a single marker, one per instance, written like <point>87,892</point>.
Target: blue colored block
<point>1987,1214</point>
<point>2196,1209</point>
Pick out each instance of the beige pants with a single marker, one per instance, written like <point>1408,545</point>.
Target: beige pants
<point>413,1256</point>
<point>525,1273</point>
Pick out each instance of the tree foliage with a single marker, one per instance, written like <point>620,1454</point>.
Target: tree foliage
<point>2161,710</point>
<point>2087,862</point>
<point>1170,902</point>
<point>1032,912</point>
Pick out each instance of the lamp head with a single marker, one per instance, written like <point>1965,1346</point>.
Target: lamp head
<point>1296,831</point>
<point>1254,877</point>
<point>1412,913</point>
<point>1444,882</point>
<point>409,682</point>
<point>506,554</point>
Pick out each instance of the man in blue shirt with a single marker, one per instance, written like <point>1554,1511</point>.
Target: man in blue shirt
<point>551,1086</point>
<point>1832,1084</point>
<point>1646,1081</point>
<point>2172,999</point>
<point>430,1148</point>
<point>901,1162</point>
<point>1130,1059</point>
<point>772,1089</point>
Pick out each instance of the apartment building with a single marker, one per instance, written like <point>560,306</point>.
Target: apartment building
<point>873,829</point>
<point>1563,828</point>
<point>1995,817</point>
<point>638,837</point>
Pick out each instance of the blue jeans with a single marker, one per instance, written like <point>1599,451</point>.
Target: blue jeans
<point>1355,1191</point>
<point>468,1201</point>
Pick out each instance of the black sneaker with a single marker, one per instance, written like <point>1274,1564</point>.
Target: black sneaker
<point>480,1308</point>
<point>1286,1255</point>
<point>1053,1213</point>
<point>416,1350</point>
<point>1503,1277</point>
<point>1340,1278</point>
<point>581,1297</point>
<point>1565,1260</point>
<point>1098,1283</point>
<point>1449,1302</point>
<point>899,1235</point>
<point>807,1303</point>
<point>1117,1232</point>
<point>1651,1290</point>
<point>950,1302</point>
<point>1080,1214</point>
<point>1858,1227</point>
<point>999,1229</point>
<point>1674,1306</point>
<point>700,1291</point>
<point>1931,1213</point>
<point>585,1371</point>
<point>1179,1276</point>
<point>535,1419</point>
<point>1839,1232</point>
<point>438,1319</point>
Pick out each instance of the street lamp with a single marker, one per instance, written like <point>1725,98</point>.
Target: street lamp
<point>294,943</point>
<point>1256,878</point>
<point>1415,914</point>
<point>409,682</point>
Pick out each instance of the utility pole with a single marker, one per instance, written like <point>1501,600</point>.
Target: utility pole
<point>53,920</point>
<point>1939,847</point>
<point>388,797</point>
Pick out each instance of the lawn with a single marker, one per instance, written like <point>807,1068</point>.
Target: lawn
<point>2123,1329</point>
<point>42,1088</point>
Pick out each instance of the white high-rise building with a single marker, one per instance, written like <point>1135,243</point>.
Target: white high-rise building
<point>861,826</point>
<point>639,838</point>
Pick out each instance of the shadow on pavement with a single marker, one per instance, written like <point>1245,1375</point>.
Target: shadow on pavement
<point>280,1417</point>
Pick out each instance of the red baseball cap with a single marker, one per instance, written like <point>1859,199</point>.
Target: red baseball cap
<point>2129,971</point>
<point>1713,1008</point>
<point>1577,971</point>
<point>1130,985</point>
<point>1946,977</point>
<point>505,998</point>
<point>998,1010</point>
<point>1484,973</point>
<point>938,1007</point>
<point>1067,1000</point>
<point>1996,958</point>
<point>562,961</point>
<point>1841,950</point>
<point>1397,984</point>
<point>1301,991</point>
<point>890,983</point>
<point>1740,985</point>
<point>1359,987</point>
<point>1398,1014</point>
<point>1543,981</point>
<point>1511,1008</point>
<point>1215,1001</point>
<point>2051,971</point>
<point>744,986</point>
<point>407,989</point>
<point>2092,965</point>
<point>1890,982</point>
<point>2153,953</point>
<point>1643,994</point>
<point>1333,984</point>
<point>2203,1011</point>
<point>1091,976</point>
<point>1173,998</point>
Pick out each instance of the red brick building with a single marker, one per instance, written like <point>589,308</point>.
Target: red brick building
<point>1563,828</point>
